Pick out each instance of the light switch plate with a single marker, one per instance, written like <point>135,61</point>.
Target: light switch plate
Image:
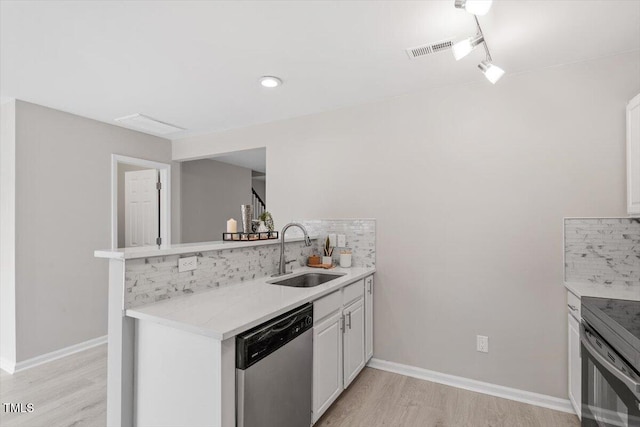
<point>342,241</point>
<point>187,264</point>
<point>332,240</point>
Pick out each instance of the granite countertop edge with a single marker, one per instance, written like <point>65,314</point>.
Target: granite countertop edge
<point>601,291</point>
<point>223,313</point>
<point>189,248</point>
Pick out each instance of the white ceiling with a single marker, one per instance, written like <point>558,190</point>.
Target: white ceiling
<point>196,64</point>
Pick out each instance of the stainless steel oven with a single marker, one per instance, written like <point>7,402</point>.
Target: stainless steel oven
<point>610,364</point>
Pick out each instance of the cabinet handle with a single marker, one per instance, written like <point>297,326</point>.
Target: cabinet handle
<point>572,307</point>
<point>342,322</point>
<point>349,316</point>
<point>370,287</point>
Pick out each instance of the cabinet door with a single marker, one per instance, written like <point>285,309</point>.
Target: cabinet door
<point>353,341</point>
<point>633,156</point>
<point>327,363</point>
<point>368,312</point>
<point>575,365</point>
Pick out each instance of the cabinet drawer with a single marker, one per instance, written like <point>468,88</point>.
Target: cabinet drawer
<point>353,292</point>
<point>326,305</point>
<point>573,306</point>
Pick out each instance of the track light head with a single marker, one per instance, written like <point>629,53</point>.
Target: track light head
<point>464,47</point>
<point>476,7</point>
<point>492,72</point>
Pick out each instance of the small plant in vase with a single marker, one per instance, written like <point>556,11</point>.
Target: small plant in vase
<point>328,251</point>
<point>267,219</point>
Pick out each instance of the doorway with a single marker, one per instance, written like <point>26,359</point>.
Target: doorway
<point>213,190</point>
<point>140,213</point>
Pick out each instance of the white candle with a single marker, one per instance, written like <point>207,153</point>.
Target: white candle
<point>232,226</point>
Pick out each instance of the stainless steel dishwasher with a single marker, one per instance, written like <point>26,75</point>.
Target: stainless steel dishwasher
<point>274,363</point>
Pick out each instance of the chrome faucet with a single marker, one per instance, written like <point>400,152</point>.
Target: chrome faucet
<point>282,269</point>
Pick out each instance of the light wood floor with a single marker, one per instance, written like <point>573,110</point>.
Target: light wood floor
<point>72,392</point>
<point>380,398</point>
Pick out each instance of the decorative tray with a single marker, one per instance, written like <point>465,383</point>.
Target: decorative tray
<point>244,237</point>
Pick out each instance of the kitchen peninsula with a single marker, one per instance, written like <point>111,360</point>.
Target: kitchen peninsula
<point>172,346</point>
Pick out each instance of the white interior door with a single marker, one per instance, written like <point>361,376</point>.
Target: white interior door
<point>142,212</point>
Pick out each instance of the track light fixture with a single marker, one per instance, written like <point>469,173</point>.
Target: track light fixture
<point>464,47</point>
<point>493,73</point>
<point>476,7</point>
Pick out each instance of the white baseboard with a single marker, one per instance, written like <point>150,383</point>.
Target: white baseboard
<point>49,357</point>
<point>531,398</point>
<point>7,366</point>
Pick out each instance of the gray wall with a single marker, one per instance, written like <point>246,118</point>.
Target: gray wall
<point>469,185</point>
<point>63,211</point>
<point>122,168</point>
<point>7,234</point>
<point>211,193</point>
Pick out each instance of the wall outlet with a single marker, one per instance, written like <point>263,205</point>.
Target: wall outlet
<point>187,264</point>
<point>342,241</point>
<point>332,240</point>
<point>482,344</point>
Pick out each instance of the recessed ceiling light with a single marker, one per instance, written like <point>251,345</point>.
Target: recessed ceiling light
<point>147,124</point>
<point>270,81</point>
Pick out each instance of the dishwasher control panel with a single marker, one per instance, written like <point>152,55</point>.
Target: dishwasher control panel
<point>257,343</point>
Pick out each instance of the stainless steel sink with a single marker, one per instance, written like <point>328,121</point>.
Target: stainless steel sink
<point>307,280</point>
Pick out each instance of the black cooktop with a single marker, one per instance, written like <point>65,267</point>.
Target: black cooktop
<point>624,313</point>
<point>618,322</point>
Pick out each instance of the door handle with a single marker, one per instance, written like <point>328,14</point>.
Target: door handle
<point>349,316</point>
<point>572,307</point>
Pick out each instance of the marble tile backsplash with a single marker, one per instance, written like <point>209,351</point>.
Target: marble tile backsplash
<point>149,280</point>
<point>360,236</point>
<point>603,251</point>
<point>153,279</point>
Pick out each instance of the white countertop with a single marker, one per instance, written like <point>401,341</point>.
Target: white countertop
<point>225,312</point>
<point>601,291</point>
<point>186,248</point>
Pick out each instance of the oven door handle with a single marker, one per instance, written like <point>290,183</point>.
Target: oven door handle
<point>633,385</point>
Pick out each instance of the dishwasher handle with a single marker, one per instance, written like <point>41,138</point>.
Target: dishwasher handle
<point>259,342</point>
<point>282,328</point>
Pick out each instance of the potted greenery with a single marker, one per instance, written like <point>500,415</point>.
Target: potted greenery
<point>267,220</point>
<point>328,251</point>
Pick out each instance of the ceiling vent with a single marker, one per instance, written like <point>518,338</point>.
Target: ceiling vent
<point>428,49</point>
<point>146,124</point>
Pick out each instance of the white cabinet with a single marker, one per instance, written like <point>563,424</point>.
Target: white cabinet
<point>633,156</point>
<point>353,341</point>
<point>368,317</point>
<point>338,343</point>
<point>327,363</point>
<point>574,361</point>
<point>575,366</point>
